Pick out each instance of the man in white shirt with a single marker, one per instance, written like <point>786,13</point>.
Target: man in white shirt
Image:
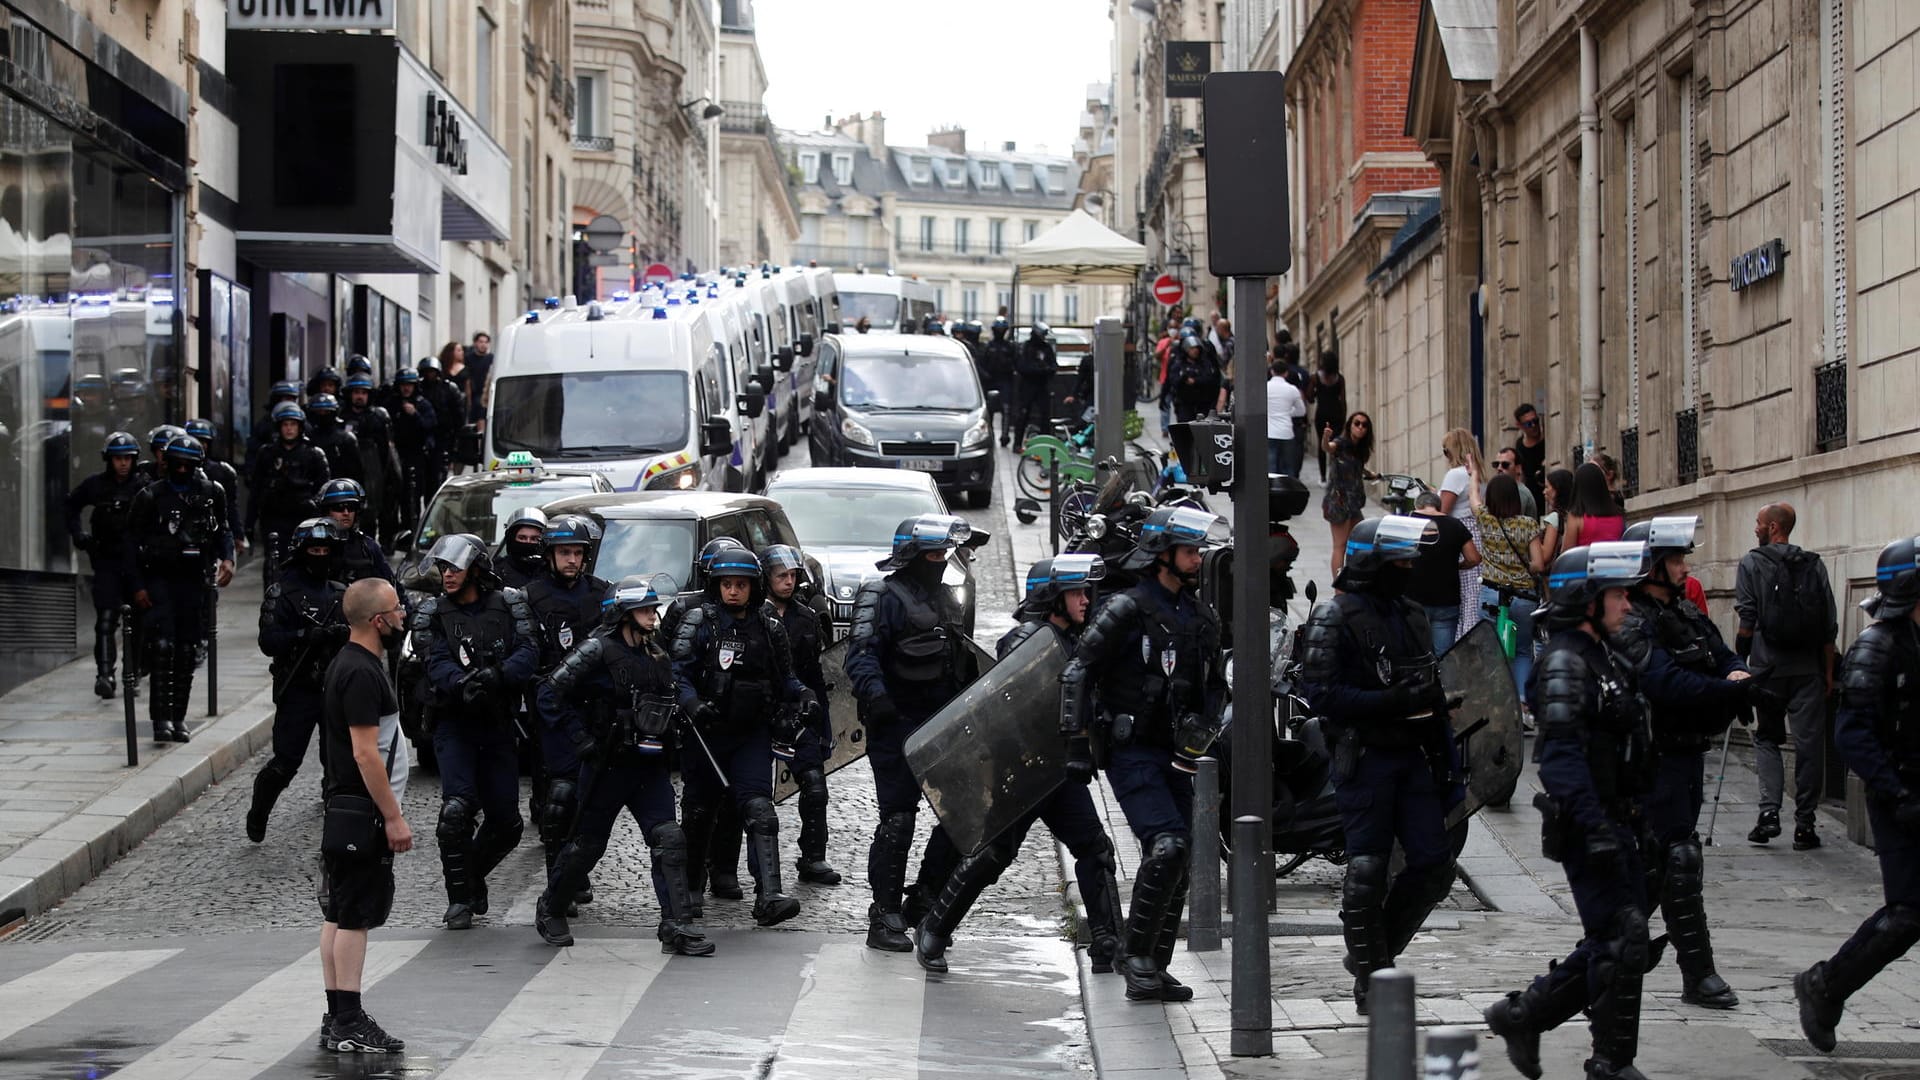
<point>1285,450</point>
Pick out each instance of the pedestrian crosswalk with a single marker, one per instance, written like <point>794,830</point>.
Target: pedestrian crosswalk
<point>496,1002</point>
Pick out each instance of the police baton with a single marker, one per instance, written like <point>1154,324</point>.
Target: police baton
<point>129,680</point>
<point>711,760</point>
<point>213,641</point>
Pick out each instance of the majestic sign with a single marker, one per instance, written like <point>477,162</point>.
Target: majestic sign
<point>1188,63</point>
<point>1757,265</point>
<point>310,14</point>
<point>443,135</point>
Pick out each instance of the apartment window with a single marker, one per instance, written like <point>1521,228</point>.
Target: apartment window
<point>961,228</point>
<point>926,234</point>
<point>483,34</point>
<point>843,169</point>
<point>989,175</point>
<point>970,303</point>
<point>588,121</point>
<point>939,300</point>
<point>1023,178</point>
<point>956,172</point>
<point>1057,178</point>
<point>997,236</point>
<point>1001,299</point>
<point>1032,229</point>
<point>922,170</point>
<point>437,50</point>
<point>1070,305</point>
<point>1039,306</point>
<point>810,168</point>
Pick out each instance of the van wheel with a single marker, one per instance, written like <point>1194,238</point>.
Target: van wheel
<point>978,498</point>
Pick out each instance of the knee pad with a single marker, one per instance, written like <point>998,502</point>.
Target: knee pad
<point>105,621</point>
<point>896,830</point>
<point>1683,866</point>
<point>1168,848</point>
<point>669,843</point>
<point>813,787</point>
<point>1366,883</point>
<point>1627,944</point>
<point>761,818</point>
<point>556,818</point>
<point>456,820</point>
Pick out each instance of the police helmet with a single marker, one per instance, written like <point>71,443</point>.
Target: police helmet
<point>1051,579</point>
<point>1580,575</point>
<point>930,532</point>
<point>405,375</point>
<point>575,529</point>
<point>120,444</point>
<point>324,405</point>
<point>1041,329</point>
<point>360,382</point>
<point>521,549</point>
<point>1664,536</point>
<point>427,363</point>
<point>464,551</point>
<point>737,563</point>
<point>1897,580</point>
<point>90,388</point>
<point>638,591</point>
<point>284,390</point>
<point>184,450</point>
<point>324,375</point>
<point>343,493</point>
<point>202,428</point>
<point>159,437</point>
<point>712,551</point>
<point>1190,341</point>
<point>777,557</point>
<point>358,364</point>
<point>129,383</point>
<point>1376,543</point>
<point>1170,527</point>
<point>315,532</point>
<point>287,410</point>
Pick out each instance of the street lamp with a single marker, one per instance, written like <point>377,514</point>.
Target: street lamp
<point>1102,200</point>
<point>712,110</point>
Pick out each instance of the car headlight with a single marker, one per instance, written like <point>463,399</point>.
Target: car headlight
<point>979,433</point>
<point>684,478</point>
<point>1096,526</point>
<point>856,433</point>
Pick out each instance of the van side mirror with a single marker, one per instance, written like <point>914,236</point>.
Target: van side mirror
<point>783,358</point>
<point>752,401</point>
<point>716,437</point>
<point>806,345</point>
<point>764,376</point>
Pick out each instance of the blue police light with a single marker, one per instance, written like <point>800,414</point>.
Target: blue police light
<point>659,312</point>
<point>533,317</point>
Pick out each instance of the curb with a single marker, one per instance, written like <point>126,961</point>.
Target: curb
<point>43,872</point>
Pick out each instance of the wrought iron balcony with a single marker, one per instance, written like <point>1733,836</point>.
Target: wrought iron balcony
<point>1630,461</point>
<point>745,118</point>
<point>843,255</point>
<point>1830,406</point>
<point>1686,424</point>
<point>599,143</point>
<point>975,253</point>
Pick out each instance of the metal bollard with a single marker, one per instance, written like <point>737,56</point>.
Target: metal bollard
<point>1053,503</point>
<point>1203,912</point>
<point>213,649</point>
<point>129,680</point>
<point>1390,1032</point>
<point>1252,986</point>
<point>1453,1053</point>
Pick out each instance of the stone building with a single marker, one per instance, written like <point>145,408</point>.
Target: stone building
<point>758,221</point>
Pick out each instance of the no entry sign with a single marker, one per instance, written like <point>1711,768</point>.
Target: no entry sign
<point>1168,290</point>
<point>659,272</point>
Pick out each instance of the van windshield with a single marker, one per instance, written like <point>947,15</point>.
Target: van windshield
<point>908,381</point>
<point>881,311</point>
<point>647,546</point>
<point>592,415</point>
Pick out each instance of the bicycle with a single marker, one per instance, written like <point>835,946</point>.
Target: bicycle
<point>1073,450</point>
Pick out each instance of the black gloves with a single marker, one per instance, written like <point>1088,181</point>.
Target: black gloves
<point>585,746</point>
<point>1079,764</point>
<point>707,715</point>
<point>1759,695</point>
<point>479,684</point>
<point>881,711</point>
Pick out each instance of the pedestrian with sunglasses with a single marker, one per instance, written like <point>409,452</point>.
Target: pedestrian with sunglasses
<point>1347,448</point>
<point>1506,463</point>
<point>1530,449</point>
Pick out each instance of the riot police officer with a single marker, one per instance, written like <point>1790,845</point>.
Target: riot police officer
<point>265,428</point>
<point>907,657</point>
<point>735,672</point>
<point>177,538</point>
<point>1695,684</point>
<point>1878,734</point>
<point>103,536</point>
<point>1147,682</point>
<point>522,558</point>
<point>379,467</point>
<point>450,415</point>
<point>326,431</point>
<point>615,698</point>
<point>302,626</point>
<point>1059,595</point>
<point>1369,669</point>
<point>996,371</point>
<point>1595,754</point>
<point>285,486</point>
<point>1036,367</point>
<point>343,501</point>
<point>565,602</point>
<point>786,570</point>
<point>223,473</point>
<point>413,424</point>
<point>325,381</point>
<point>721,858</point>
<point>157,439</point>
<point>481,651</point>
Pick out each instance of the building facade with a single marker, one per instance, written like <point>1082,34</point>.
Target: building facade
<point>758,221</point>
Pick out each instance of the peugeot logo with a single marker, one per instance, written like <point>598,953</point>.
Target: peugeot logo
<point>919,435</point>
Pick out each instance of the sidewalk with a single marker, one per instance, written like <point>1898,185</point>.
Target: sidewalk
<point>1773,910</point>
<point>71,805</point>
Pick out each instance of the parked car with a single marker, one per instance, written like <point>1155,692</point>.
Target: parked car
<point>900,401</point>
<point>846,518</point>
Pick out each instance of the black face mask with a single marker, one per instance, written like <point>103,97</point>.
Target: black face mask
<point>180,474</point>
<point>924,571</point>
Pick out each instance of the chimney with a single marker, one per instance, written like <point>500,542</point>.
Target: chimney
<point>953,140</point>
<point>874,134</point>
<point>1007,147</point>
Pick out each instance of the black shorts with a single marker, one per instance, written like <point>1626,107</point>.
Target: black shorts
<point>356,894</point>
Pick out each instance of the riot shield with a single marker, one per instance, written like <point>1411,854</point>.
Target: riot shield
<point>995,751</point>
<point>849,734</point>
<point>1487,724</point>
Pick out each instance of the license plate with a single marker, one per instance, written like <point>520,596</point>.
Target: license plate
<point>840,631</point>
<point>921,464</point>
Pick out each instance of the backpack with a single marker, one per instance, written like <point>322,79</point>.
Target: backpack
<point>1793,611</point>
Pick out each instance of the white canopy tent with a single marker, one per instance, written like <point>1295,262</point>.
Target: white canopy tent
<point>1078,251</point>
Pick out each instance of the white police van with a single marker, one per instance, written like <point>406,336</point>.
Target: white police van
<point>888,302</point>
<point>642,389</point>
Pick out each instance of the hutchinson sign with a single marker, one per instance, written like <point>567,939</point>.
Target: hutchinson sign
<point>310,14</point>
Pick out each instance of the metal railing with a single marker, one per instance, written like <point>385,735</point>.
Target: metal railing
<point>1830,406</point>
<point>745,117</point>
<point>1630,461</point>
<point>843,255</point>
<point>1686,425</point>
<point>600,143</point>
<point>951,252</point>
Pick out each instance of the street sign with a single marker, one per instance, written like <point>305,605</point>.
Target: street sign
<point>604,233</point>
<point>1247,226</point>
<point>657,272</point>
<point>606,259</point>
<point>1168,290</point>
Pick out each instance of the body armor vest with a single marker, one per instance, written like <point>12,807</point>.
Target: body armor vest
<point>1162,673</point>
<point>187,528</point>
<point>565,614</point>
<point>111,503</point>
<point>644,697</point>
<point>922,660</point>
<point>1620,741</point>
<point>293,477</point>
<point>477,636</point>
<point>1894,669</point>
<point>1388,658</point>
<point>737,673</point>
<point>1687,638</point>
<point>301,603</point>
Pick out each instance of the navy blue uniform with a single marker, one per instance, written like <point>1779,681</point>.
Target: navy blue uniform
<point>362,557</point>
<point>565,615</point>
<point>1369,669</point>
<point>301,629</point>
<point>284,488</point>
<point>176,533</point>
<point>1035,367</point>
<point>413,446</point>
<point>815,745</point>
<point>479,658</point>
<point>103,536</point>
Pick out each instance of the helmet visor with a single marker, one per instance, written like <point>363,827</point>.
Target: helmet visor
<point>1187,525</point>
<point>1400,536</point>
<point>937,531</point>
<point>1673,533</point>
<point>456,551</point>
<point>1077,571</point>
<point>1616,564</point>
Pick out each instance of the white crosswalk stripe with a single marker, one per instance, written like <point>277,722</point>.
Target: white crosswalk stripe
<point>557,1027</point>
<point>30,999</point>
<point>881,1038</point>
<point>270,1020</point>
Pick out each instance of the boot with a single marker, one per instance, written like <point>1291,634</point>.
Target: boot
<point>160,698</point>
<point>724,853</point>
<point>551,851</point>
<point>1693,949</point>
<point>1524,1015</point>
<point>812,864</point>
<point>1366,950</point>
<point>551,920</point>
<point>1823,989</point>
<point>1616,1029</point>
<point>887,931</point>
<point>1102,897</point>
<point>697,823</point>
<point>1820,1011</point>
<point>933,933</point>
<point>1153,889</point>
<point>105,645</point>
<point>456,867</point>
<point>267,786</point>
<point>1172,989</point>
<point>1766,829</point>
<point>678,932</point>
<point>179,694</point>
<point>770,906</point>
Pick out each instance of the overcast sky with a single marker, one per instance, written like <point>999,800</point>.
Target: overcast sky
<point>1003,69</point>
